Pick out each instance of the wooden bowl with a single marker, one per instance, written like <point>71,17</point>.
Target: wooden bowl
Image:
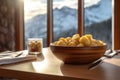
<point>78,55</point>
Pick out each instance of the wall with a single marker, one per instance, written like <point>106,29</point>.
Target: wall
<point>7,25</point>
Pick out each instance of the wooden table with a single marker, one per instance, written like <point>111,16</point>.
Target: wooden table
<point>48,67</point>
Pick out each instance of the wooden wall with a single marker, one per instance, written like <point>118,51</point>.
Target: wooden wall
<point>7,25</point>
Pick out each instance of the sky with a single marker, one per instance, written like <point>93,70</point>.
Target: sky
<point>34,7</point>
<point>35,4</point>
<point>90,2</point>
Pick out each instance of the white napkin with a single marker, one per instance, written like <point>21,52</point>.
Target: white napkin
<point>12,57</point>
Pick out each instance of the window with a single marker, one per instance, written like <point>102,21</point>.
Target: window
<point>65,21</point>
<point>35,19</point>
<point>115,29</point>
<point>52,14</point>
<point>98,20</point>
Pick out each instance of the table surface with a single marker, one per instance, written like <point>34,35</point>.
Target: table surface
<point>48,67</point>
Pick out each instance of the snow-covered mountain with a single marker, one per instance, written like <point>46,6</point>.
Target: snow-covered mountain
<point>66,19</point>
<point>98,12</point>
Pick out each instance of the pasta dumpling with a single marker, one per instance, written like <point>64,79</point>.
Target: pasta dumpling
<point>79,41</point>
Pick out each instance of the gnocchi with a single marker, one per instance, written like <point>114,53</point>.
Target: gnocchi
<point>79,41</point>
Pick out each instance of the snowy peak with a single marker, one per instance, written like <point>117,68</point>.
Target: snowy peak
<point>98,12</point>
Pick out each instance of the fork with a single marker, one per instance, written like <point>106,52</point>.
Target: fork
<point>97,62</point>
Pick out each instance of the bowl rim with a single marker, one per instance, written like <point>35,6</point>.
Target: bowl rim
<point>52,44</point>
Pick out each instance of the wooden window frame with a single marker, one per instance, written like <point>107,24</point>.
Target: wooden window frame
<point>50,20</point>
<point>20,24</point>
<point>116,25</point>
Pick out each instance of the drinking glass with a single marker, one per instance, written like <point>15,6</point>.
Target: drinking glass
<point>35,45</point>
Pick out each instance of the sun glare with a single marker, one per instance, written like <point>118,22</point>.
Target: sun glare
<point>31,5</point>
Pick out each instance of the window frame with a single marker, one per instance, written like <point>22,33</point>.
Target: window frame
<point>50,20</point>
<point>20,23</point>
<point>116,25</point>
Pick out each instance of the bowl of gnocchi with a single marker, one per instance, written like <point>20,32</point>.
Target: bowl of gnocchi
<point>78,49</point>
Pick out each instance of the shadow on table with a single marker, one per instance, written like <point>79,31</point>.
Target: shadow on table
<point>105,71</point>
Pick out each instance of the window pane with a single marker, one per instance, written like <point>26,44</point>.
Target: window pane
<point>98,19</point>
<point>64,18</point>
<point>35,19</point>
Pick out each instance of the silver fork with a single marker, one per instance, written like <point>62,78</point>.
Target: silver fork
<point>97,62</point>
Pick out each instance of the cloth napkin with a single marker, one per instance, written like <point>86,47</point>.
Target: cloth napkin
<point>14,57</point>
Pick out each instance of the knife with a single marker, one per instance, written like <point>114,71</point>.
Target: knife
<point>17,55</point>
<point>99,61</point>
